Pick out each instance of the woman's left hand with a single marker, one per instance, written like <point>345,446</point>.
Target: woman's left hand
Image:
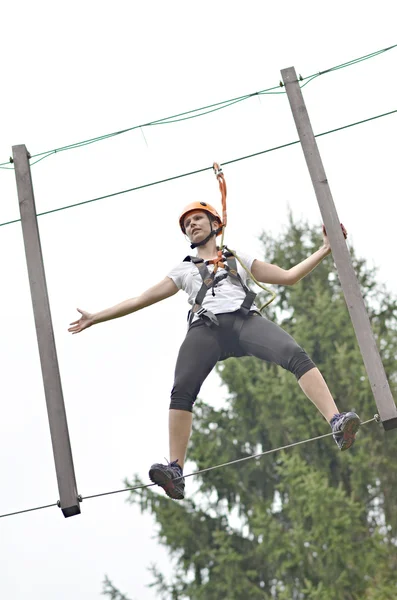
<point>326,243</point>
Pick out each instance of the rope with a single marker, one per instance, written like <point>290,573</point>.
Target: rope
<point>218,262</point>
<point>272,451</point>
<point>19,512</point>
<point>228,162</point>
<point>163,121</point>
<point>223,190</point>
<point>232,462</point>
<point>204,110</point>
<point>349,63</point>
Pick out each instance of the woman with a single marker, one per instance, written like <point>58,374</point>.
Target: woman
<point>224,322</point>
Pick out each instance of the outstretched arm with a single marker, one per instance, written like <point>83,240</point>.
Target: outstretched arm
<point>267,273</point>
<point>162,290</point>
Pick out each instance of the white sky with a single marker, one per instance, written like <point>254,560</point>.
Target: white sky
<point>83,70</point>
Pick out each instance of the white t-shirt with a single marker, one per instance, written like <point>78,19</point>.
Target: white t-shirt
<point>228,296</point>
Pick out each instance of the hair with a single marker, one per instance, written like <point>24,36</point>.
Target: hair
<point>212,218</point>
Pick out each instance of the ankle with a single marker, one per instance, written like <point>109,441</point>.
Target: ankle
<point>334,416</point>
<point>175,463</point>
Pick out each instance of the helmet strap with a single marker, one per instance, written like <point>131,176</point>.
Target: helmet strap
<point>205,240</point>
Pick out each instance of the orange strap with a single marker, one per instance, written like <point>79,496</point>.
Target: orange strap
<point>222,187</point>
<point>217,262</point>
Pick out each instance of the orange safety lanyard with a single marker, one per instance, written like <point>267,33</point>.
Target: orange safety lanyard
<point>217,262</point>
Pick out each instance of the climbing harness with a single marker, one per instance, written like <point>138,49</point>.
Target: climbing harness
<point>226,259</point>
<point>210,281</point>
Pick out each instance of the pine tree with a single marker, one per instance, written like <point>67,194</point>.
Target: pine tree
<point>310,522</point>
<point>112,592</point>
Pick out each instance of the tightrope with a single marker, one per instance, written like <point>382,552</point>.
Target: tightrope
<point>227,464</point>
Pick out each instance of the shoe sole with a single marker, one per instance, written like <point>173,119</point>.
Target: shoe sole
<point>349,431</point>
<point>163,479</point>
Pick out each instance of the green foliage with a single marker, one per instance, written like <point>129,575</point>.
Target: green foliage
<point>311,522</point>
<point>111,592</point>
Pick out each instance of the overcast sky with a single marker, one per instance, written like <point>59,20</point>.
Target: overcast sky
<point>91,68</point>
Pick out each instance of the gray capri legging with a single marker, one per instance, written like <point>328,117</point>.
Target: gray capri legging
<point>236,335</point>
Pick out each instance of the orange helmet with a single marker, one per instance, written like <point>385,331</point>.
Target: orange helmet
<point>199,206</point>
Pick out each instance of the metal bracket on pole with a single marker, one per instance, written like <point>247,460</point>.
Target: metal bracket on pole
<point>69,500</point>
<point>373,364</point>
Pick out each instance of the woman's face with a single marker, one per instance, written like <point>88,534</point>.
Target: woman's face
<point>197,226</point>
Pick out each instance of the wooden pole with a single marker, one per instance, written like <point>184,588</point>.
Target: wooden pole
<point>350,286</point>
<point>69,500</point>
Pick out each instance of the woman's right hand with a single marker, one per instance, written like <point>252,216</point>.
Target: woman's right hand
<point>86,320</point>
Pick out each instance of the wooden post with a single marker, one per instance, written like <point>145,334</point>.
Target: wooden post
<point>350,286</point>
<point>69,500</point>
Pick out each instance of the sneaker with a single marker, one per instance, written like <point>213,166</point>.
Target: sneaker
<point>170,478</point>
<point>344,427</point>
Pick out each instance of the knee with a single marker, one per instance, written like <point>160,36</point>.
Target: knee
<point>298,362</point>
<point>182,404</point>
<point>182,398</point>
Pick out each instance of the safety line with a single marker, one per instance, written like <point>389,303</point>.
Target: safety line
<point>354,61</point>
<point>232,462</point>
<point>163,121</point>
<point>19,512</point>
<point>190,114</point>
<point>228,162</point>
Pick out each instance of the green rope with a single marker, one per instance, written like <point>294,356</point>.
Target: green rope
<point>204,110</point>
<point>349,63</point>
<point>170,120</point>
<point>228,162</point>
<point>356,123</point>
<point>10,222</point>
<point>309,79</point>
<point>166,120</point>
